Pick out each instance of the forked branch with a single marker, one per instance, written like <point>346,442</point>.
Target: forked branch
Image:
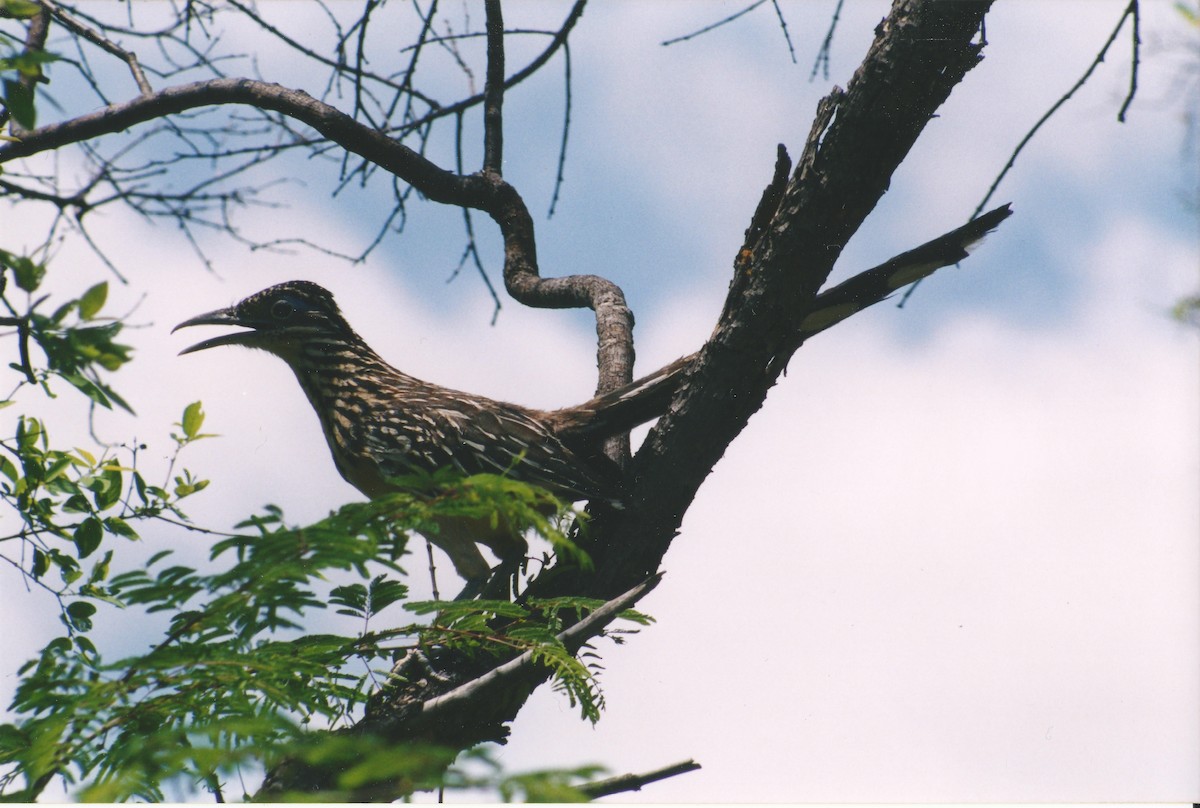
<point>486,192</point>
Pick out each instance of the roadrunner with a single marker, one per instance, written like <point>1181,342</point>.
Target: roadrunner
<point>381,423</point>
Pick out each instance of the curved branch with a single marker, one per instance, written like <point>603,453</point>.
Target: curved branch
<point>488,193</point>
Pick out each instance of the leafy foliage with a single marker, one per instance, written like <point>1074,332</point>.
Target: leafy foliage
<point>224,688</point>
<point>79,346</point>
<point>17,99</point>
<point>237,680</point>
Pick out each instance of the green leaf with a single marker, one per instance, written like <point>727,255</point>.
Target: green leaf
<point>193,419</point>
<point>353,599</point>
<point>18,98</point>
<point>79,615</point>
<point>29,62</point>
<point>384,593</point>
<point>87,536</point>
<point>88,388</point>
<point>20,9</point>
<point>93,300</point>
<point>41,563</point>
<point>11,740</point>
<point>119,527</point>
<point>107,489</point>
<point>100,568</point>
<point>77,503</point>
<point>28,273</point>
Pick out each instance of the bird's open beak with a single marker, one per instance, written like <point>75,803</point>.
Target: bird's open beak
<point>218,317</point>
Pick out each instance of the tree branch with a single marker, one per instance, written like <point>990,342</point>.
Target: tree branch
<point>1131,11</point>
<point>76,27</point>
<point>634,782</point>
<point>457,716</point>
<point>560,39</point>
<point>648,397</point>
<point>493,93</point>
<point>489,193</point>
<point>921,51</point>
<point>467,697</point>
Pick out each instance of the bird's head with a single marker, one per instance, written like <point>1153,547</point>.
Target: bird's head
<point>280,319</point>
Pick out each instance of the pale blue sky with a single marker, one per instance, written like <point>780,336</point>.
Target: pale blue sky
<point>962,535</point>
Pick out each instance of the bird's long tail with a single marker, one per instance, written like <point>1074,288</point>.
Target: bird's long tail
<point>648,397</point>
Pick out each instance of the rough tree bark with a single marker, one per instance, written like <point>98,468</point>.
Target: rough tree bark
<point>922,49</point>
<point>858,139</point>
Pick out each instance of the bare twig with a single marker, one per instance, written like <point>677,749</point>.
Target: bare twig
<point>634,782</point>
<point>566,130</point>
<point>1134,60</point>
<point>432,569</point>
<point>560,37</point>
<point>471,248</point>
<point>778,13</point>
<point>573,638</point>
<point>821,63</point>
<point>783,27</point>
<point>714,25</point>
<point>74,25</point>
<point>1130,11</point>
<point>310,53</point>
<point>22,326</point>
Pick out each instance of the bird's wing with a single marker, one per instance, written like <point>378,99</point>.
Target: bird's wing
<point>480,436</point>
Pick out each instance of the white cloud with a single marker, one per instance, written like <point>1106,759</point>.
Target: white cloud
<point>963,572</point>
<point>958,568</point>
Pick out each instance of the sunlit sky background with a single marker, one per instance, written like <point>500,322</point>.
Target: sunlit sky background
<point>953,558</point>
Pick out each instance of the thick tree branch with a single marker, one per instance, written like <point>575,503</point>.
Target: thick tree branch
<point>921,51</point>
<point>493,94</point>
<point>804,220</point>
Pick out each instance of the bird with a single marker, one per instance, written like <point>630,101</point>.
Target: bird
<point>381,423</point>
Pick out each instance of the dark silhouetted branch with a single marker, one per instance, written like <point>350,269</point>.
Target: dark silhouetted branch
<point>634,782</point>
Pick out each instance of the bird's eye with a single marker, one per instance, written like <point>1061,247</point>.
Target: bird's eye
<point>281,310</point>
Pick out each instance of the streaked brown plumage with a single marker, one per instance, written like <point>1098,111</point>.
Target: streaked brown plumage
<point>381,423</point>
